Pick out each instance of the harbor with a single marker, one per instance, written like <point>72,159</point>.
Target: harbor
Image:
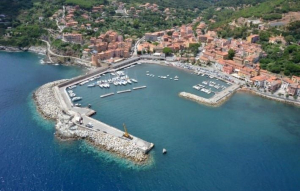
<point>78,97</point>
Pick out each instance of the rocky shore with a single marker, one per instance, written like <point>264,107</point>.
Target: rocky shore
<point>38,49</point>
<point>282,100</point>
<point>68,129</point>
<point>35,49</point>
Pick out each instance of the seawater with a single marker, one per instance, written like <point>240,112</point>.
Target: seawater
<point>249,143</point>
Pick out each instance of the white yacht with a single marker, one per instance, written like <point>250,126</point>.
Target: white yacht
<point>134,80</point>
<point>76,98</point>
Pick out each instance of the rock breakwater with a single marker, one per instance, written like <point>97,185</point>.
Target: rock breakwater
<point>46,103</point>
<point>68,128</point>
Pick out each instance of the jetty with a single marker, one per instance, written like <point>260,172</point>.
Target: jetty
<point>99,134</point>
<point>106,95</point>
<point>140,87</point>
<point>123,91</point>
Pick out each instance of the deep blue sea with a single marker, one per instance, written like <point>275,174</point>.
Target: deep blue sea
<point>249,143</point>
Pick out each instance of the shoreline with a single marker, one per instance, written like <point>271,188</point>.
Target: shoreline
<point>33,49</point>
<point>50,108</point>
<point>290,102</point>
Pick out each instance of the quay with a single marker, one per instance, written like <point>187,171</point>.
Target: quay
<point>123,91</point>
<point>106,95</point>
<point>140,87</point>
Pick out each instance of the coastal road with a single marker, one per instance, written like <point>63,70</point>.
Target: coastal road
<point>62,56</point>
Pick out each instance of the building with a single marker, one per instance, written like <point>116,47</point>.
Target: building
<point>259,81</point>
<point>253,38</point>
<point>296,79</point>
<point>95,60</point>
<point>228,69</point>
<point>273,83</point>
<point>292,89</point>
<point>219,64</point>
<point>151,37</point>
<point>74,38</point>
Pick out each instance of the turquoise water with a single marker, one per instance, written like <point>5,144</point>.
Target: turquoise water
<point>249,143</point>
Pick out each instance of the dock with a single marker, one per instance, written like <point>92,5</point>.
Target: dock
<point>140,87</point>
<point>106,95</point>
<point>123,91</point>
<point>90,112</point>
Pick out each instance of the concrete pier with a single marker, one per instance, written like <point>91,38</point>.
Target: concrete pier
<point>140,87</point>
<point>123,91</point>
<point>106,95</point>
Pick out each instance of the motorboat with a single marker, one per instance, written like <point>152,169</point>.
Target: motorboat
<point>91,85</point>
<point>164,151</point>
<point>72,87</point>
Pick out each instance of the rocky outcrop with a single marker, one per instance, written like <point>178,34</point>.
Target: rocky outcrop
<point>37,49</point>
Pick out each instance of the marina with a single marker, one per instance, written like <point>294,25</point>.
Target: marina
<point>77,95</point>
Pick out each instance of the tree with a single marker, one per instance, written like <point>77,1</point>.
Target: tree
<point>168,51</point>
<point>264,36</point>
<point>289,39</point>
<point>155,43</point>
<point>231,54</point>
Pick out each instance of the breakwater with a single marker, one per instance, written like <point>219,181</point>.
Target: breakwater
<point>53,103</point>
<point>217,100</point>
<point>46,103</point>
